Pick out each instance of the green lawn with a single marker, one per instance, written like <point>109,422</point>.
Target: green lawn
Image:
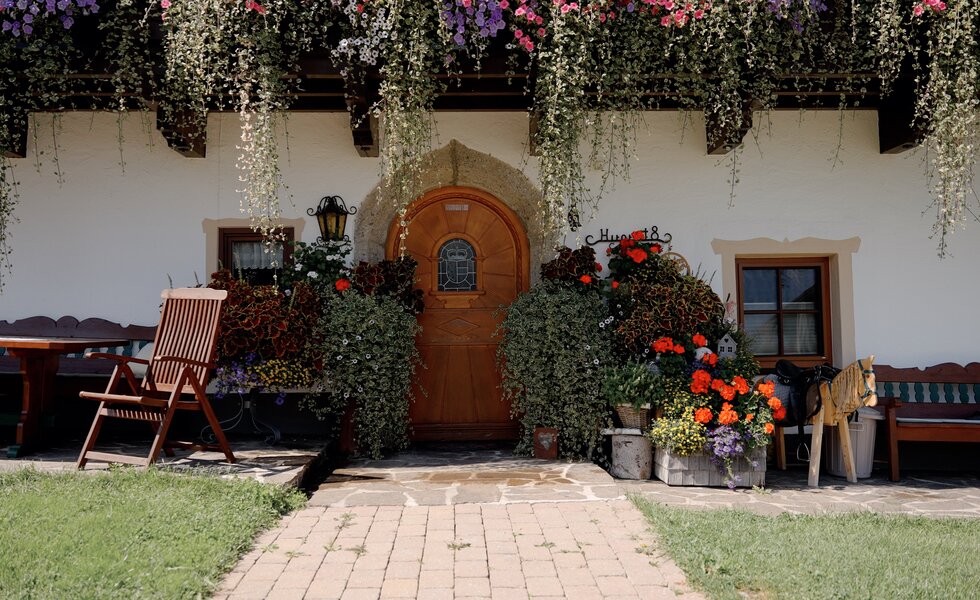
<point>127,533</point>
<point>733,554</point>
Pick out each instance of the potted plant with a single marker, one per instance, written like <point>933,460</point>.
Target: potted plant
<point>632,390</point>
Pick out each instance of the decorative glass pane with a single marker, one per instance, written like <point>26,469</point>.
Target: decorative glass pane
<point>457,267</point>
<point>763,330</point>
<point>253,255</point>
<point>759,289</point>
<point>800,334</point>
<point>800,288</point>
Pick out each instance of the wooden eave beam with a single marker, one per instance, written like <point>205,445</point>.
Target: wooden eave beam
<point>722,139</point>
<point>184,132</point>
<point>363,122</point>
<point>896,114</point>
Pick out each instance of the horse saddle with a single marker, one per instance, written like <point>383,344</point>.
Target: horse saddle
<point>804,401</point>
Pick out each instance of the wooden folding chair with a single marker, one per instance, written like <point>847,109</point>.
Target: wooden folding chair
<point>184,350</point>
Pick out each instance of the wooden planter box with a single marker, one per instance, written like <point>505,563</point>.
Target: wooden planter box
<point>698,469</point>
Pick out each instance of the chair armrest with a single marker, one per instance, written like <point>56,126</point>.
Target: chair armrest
<point>117,357</point>
<point>183,361</point>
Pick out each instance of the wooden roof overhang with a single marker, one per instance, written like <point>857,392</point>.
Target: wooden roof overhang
<point>499,86</point>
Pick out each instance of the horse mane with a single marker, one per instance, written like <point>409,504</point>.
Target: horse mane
<point>848,386</point>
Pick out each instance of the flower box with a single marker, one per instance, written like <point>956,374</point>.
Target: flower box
<point>697,469</point>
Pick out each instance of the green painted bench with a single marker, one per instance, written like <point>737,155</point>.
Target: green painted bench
<point>937,404</point>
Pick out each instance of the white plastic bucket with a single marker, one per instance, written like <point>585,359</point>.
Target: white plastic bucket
<point>862,440</point>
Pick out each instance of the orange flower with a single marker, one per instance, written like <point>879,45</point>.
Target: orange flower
<point>716,384</point>
<point>615,284</point>
<point>749,417</point>
<point>779,414</point>
<point>655,248</point>
<point>638,255</point>
<point>711,359</point>
<point>774,403</point>
<point>342,284</point>
<point>703,415</point>
<point>727,392</point>
<point>767,389</point>
<point>700,380</point>
<point>726,406</point>
<point>637,235</point>
<point>663,345</point>
<point>699,340</point>
<point>586,279</point>
<point>740,385</point>
<point>769,428</point>
<point>679,349</point>
<point>727,417</point>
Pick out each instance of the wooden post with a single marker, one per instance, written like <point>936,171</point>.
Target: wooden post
<point>844,430</point>
<point>813,479</point>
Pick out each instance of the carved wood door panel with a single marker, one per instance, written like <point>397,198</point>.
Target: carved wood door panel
<point>472,253</point>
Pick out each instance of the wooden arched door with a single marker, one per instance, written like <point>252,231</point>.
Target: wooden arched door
<point>472,252</point>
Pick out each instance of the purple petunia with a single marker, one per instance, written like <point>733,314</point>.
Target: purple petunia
<point>21,16</point>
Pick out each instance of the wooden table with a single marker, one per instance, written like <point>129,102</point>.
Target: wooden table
<point>39,357</point>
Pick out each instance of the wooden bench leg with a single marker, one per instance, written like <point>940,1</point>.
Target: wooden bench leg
<point>779,447</point>
<point>892,447</point>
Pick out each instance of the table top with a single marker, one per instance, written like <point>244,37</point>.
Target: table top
<point>65,344</point>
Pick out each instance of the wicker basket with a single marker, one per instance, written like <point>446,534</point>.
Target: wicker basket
<point>633,418</point>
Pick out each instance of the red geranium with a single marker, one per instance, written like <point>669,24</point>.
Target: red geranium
<point>637,235</point>
<point>342,284</point>
<point>703,415</point>
<point>638,255</point>
<point>699,340</point>
<point>586,279</point>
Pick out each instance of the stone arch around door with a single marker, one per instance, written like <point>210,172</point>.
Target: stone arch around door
<point>472,252</point>
<point>457,165</point>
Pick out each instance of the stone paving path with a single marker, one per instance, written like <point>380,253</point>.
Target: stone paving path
<point>461,525</point>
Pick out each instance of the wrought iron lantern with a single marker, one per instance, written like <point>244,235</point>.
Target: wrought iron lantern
<point>331,215</point>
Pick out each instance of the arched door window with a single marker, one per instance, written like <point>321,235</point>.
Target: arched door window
<point>457,266</point>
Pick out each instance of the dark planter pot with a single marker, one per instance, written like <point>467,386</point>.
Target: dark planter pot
<point>546,443</point>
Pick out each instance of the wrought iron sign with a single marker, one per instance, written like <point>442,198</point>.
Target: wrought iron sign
<point>650,234</point>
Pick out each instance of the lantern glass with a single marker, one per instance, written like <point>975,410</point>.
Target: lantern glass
<point>331,217</point>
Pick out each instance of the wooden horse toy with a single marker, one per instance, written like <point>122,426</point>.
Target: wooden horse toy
<point>851,389</point>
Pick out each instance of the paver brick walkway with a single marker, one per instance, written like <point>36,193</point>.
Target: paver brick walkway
<point>580,550</point>
<point>461,525</point>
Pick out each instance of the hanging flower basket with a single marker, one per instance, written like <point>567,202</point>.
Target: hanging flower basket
<point>633,418</point>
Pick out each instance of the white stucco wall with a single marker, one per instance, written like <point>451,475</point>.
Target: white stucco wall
<point>103,243</point>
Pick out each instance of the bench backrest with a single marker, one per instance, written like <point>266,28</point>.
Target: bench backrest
<point>947,383</point>
<point>71,327</point>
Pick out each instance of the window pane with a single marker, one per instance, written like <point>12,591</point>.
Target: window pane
<point>763,330</point>
<point>801,289</point>
<point>800,334</point>
<point>457,266</point>
<point>759,289</point>
<point>253,255</point>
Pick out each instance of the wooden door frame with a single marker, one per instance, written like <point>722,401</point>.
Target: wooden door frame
<point>518,234</point>
<point>507,215</point>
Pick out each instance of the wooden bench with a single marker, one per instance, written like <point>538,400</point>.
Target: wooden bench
<point>937,404</point>
<point>75,372</point>
<point>75,365</point>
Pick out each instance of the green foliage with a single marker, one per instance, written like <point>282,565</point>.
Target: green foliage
<point>633,384</point>
<point>318,265</point>
<point>127,533</point>
<point>369,360</point>
<point>553,350</point>
<point>736,554</point>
